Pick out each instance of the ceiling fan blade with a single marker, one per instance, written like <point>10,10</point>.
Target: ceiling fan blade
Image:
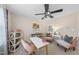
<point>46,6</point>
<point>42,18</point>
<point>50,16</point>
<point>59,10</point>
<point>45,16</point>
<point>40,14</point>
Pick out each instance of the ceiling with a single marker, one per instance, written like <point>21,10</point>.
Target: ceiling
<point>29,10</point>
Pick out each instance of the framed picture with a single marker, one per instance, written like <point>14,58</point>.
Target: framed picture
<point>35,26</point>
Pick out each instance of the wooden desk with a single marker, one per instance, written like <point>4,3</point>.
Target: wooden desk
<point>39,43</point>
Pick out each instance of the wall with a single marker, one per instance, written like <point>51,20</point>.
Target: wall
<point>66,24</point>
<point>9,21</point>
<point>78,24</point>
<point>25,24</point>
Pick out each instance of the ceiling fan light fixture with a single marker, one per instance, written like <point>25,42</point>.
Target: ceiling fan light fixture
<point>48,13</point>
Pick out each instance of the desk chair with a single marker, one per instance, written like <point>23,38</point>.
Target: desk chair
<point>29,47</point>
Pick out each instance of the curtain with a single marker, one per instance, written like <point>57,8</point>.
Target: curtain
<point>3,32</point>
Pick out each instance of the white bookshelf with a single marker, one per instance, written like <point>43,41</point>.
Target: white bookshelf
<point>15,41</point>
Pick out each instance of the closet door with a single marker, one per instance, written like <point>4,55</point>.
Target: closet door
<point>3,33</point>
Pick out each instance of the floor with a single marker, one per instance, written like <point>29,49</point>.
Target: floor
<point>53,49</point>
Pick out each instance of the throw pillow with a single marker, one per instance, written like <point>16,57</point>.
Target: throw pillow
<point>67,38</point>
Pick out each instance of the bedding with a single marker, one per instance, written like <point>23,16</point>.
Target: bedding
<point>67,38</point>
<point>63,43</point>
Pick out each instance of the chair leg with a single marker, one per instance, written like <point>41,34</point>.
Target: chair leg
<point>57,44</point>
<point>65,49</point>
<point>34,52</point>
<point>73,48</point>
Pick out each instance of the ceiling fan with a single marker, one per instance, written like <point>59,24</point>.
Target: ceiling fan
<point>47,12</point>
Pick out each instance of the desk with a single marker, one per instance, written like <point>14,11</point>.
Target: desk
<point>39,43</point>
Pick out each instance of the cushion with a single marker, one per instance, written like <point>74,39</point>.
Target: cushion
<point>67,38</point>
<point>27,46</point>
<point>63,43</point>
<point>48,39</point>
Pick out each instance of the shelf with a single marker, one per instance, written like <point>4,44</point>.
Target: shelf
<point>14,41</point>
<point>18,37</point>
<point>15,32</point>
<point>15,49</point>
<point>17,43</point>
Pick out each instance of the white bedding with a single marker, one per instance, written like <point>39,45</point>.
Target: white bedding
<point>63,43</point>
<point>60,41</point>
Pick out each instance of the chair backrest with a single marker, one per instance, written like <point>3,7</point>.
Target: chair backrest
<point>26,46</point>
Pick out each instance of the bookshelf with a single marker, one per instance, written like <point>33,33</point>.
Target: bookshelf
<point>15,41</point>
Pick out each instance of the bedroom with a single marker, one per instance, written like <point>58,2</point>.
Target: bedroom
<point>22,17</point>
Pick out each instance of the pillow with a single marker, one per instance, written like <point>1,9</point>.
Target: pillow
<point>67,38</point>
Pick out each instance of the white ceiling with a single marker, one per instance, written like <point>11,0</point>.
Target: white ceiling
<point>29,10</point>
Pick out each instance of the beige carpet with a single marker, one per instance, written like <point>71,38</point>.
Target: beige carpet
<point>53,49</point>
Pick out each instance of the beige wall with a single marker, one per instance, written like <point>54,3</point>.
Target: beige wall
<point>65,25</point>
<point>9,21</point>
<point>25,24</point>
<point>78,24</point>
